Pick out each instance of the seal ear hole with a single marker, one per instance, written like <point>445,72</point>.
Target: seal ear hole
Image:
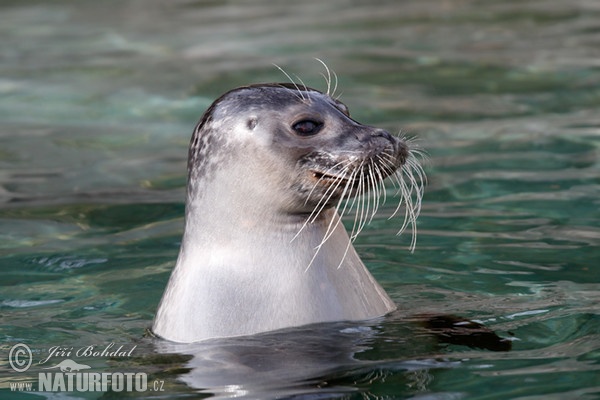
<point>251,123</point>
<point>307,127</point>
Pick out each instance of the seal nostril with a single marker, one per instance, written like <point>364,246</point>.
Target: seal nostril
<point>384,134</point>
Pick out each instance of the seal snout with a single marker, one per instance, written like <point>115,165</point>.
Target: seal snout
<point>383,142</point>
<point>401,150</point>
<point>383,134</point>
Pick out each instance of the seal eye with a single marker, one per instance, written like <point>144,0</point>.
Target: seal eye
<point>307,127</point>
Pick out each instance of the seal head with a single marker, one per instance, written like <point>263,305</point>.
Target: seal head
<point>270,168</point>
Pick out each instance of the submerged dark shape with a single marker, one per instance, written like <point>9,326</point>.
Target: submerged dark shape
<point>452,329</point>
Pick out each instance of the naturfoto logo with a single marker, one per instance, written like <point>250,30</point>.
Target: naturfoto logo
<point>67,375</point>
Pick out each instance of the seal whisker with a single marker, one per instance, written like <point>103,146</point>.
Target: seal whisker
<point>418,182</point>
<point>369,195</point>
<point>344,255</point>
<point>335,85</point>
<point>411,180</point>
<point>330,78</point>
<point>327,172</point>
<point>372,192</point>
<point>365,206</point>
<point>389,161</point>
<point>342,199</point>
<point>388,168</point>
<point>354,200</point>
<point>305,87</point>
<point>404,200</point>
<point>381,180</point>
<point>402,188</point>
<point>369,183</point>
<point>329,193</point>
<point>320,206</point>
<point>348,205</point>
<point>327,83</point>
<point>297,94</point>
<point>378,190</point>
<point>358,215</point>
<point>300,94</point>
<point>327,77</point>
<point>375,188</point>
<point>382,183</point>
<point>331,227</point>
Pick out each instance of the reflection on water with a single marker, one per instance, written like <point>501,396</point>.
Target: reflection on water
<point>298,362</point>
<point>331,359</point>
<point>97,103</point>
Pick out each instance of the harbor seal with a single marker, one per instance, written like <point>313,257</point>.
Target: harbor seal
<point>271,168</point>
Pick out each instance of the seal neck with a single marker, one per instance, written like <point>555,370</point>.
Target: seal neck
<point>244,268</point>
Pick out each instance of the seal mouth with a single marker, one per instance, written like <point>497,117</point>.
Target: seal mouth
<point>333,179</point>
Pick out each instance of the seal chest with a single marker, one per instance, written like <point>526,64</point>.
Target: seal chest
<point>271,167</point>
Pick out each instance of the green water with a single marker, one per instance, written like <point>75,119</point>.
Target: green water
<point>97,104</point>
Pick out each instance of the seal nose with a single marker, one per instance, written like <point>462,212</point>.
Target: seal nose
<point>400,149</point>
<point>384,134</point>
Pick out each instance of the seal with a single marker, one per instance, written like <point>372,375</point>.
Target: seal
<point>271,168</point>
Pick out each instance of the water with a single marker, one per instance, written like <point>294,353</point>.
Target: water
<point>97,103</point>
